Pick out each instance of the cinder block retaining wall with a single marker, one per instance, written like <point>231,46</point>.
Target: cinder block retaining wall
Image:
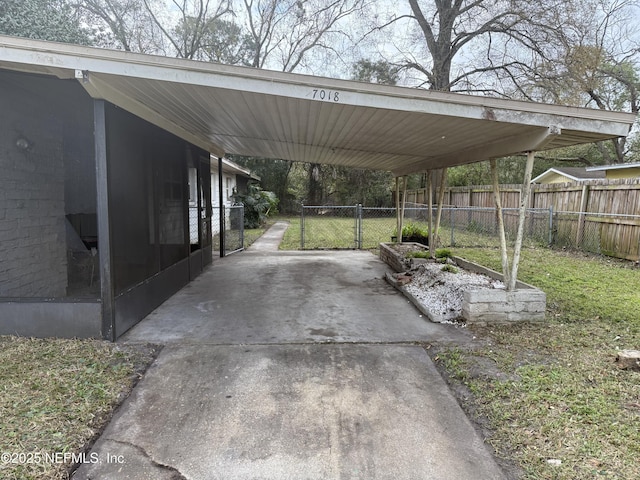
<point>500,306</point>
<point>485,306</point>
<point>389,256</point>
<point>525,303</point>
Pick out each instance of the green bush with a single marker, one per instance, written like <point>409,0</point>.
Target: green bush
<point>443,253</point>
<point>258,205</point>
<point>413,232</point>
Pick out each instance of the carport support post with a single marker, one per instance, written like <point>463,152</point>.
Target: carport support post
<point>524,202</point>
<point>400,207</point>
<point>443,185</point>
<point>107,293</point>
<point>503,240</point>
<point>430,206</point>
<point>221,219</point>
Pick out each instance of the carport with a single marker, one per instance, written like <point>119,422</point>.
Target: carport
<point>224,109</point>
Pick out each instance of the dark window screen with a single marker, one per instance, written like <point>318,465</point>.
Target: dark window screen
<point>148,198</point>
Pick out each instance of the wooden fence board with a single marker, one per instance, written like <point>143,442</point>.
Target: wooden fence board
<point>605,233</point>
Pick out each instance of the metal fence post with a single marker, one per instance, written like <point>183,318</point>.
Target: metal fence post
<point>451,217</point>
<point>302,227</point>
<point>242,226</point>
<point>359,225</point>
<point>551,225</point>
<point>355,229</point>
<point>223,233</point>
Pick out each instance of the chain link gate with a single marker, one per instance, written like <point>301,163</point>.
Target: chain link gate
<point>345,227</point>
<point>328,227</point>
<point>233,221</point>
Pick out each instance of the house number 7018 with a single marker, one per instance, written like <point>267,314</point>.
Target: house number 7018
<point>328,95</point>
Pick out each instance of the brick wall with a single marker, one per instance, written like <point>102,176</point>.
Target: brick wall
<point>32,214</point>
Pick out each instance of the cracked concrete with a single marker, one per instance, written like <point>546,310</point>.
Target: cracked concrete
<point>303,365</point>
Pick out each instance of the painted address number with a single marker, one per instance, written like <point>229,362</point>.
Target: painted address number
<point>327,95</point>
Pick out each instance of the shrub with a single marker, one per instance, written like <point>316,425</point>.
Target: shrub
<point>443,253</point>
<point>413,232</point>
<point>258,205</point>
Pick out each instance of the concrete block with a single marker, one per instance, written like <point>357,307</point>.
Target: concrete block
<point>486,318</point>
<point>485,295</point>
<point>536,307</point>
<point>477,308</point>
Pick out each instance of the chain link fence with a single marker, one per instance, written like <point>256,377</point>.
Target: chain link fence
<point>234,229</point>
<point>358,227</point>
<point>615,235</point>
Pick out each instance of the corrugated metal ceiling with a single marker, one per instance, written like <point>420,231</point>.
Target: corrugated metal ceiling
<point>271,114</point>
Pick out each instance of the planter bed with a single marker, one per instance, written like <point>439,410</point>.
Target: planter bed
<point>474,294</point>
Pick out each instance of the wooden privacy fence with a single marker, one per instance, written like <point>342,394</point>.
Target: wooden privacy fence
<point>601,216</point>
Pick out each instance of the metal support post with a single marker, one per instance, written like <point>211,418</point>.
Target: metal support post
<point>551,225</point>
<point>302,227</point>
<point>222,219</point>
<point>107,289</point>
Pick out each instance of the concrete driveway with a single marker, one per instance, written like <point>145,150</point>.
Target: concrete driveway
<point>290,365</point>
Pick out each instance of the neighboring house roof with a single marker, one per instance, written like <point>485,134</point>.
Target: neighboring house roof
<point>572,174</point>
<point>231,167</point>
<point>247,111</point>
<point>618,166</point>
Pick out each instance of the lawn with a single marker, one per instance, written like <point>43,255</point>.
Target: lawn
<point>559,407</point>
<point>328,232</point>
<point>325,232</point>
<point>57,395</point>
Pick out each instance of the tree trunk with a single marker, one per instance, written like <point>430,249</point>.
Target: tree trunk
<point>503,241</point>
<point>526,190</point>
<point>443,186</point>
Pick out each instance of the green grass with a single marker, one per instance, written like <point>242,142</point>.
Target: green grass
<point>56,396</point>
<point>565,398</point>
<point>337,233</point>
<point>252,234</point>
<point>325,232</point>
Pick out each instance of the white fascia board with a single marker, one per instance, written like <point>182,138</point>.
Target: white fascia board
<point>310,88</point>
<point>613,167</point>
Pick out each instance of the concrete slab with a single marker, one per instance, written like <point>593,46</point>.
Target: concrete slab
<point>291,365</point>
<point>261,297</point>
<point>271,239</point>
<point>281,412</point>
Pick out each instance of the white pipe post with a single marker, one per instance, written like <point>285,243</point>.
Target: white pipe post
<point>524,201</point>
<point>503,240</point>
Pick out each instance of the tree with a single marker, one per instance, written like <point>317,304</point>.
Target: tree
<point>124,24</point>
<point>274,176</point>
<point>592,61</point>
<point>55,20</point>
<point>381,72</point>
<point>222,41</point>
<point>196,19</point>
<point>285,32</point>
<point>449,28</point>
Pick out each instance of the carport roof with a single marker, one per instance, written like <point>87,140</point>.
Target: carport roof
<point>239,110</point>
